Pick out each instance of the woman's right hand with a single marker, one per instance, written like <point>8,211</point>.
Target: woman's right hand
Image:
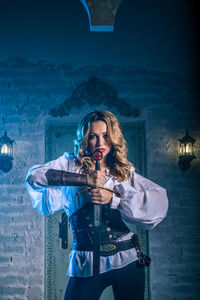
<point>96,178</point>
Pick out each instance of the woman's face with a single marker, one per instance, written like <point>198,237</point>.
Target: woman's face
<point>98,138</point>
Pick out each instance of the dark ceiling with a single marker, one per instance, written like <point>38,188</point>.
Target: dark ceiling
<point>152,34</point>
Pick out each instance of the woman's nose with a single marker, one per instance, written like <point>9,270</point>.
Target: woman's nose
<point>99,141</point>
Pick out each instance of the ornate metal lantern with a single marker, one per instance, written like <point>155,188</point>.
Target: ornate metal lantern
<point>6,153</point>
<point>186,151</point>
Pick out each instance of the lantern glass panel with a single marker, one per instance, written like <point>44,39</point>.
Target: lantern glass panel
<point>4,149</point>
<point>11,150</point>
<point>182,149</point>
<point>189,149</point>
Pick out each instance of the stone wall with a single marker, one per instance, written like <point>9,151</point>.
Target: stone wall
<point>168,103</point>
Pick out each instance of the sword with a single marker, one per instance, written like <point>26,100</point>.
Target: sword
<point>97,155</point>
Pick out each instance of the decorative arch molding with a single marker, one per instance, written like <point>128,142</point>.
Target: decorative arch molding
<point>94,92</point>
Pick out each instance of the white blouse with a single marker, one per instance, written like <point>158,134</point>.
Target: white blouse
<point>141,202</point>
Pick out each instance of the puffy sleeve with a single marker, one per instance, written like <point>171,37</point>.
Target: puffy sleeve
<point>47,199</point>
<point>141,201</point>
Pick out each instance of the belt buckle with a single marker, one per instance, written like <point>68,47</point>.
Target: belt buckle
<point>107,247</point>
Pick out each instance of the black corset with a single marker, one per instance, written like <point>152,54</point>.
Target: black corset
<point>112,227</point>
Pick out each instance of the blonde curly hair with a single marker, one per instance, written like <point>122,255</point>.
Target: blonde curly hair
<point>116,160</point>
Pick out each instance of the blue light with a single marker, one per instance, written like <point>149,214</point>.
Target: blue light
<point>86,7</point>
<point>101,28</point>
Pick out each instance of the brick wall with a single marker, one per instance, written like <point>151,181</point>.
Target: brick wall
<point>169,105</point>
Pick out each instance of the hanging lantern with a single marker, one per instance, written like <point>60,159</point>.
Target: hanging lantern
<point>6,153</point>
<point>101,14</point>
<point>186,151</point>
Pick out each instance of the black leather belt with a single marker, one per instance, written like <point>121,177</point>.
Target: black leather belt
<point>107,249</point>
<point>114,247</point>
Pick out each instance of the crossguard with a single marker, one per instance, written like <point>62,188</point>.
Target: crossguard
<point>97,155</point>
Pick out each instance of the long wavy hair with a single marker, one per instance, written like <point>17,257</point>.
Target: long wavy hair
<point>116,159</point>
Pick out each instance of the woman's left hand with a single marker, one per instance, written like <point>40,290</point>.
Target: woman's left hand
<point>100,196</point>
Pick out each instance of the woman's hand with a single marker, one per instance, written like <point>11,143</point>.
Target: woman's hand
<point>100,196</point>
<point>96,178</point>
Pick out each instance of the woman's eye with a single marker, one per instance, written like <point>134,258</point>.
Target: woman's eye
<point>91,137</point>
<point>105,136</point>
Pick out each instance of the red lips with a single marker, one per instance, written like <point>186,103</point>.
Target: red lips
<point>101,149</point>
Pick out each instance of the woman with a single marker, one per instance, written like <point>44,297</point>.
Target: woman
<point>119,190</point>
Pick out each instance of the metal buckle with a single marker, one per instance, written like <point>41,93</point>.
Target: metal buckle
<point>107,247</point>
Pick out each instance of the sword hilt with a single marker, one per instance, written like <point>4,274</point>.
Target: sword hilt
<point>97,155</point>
